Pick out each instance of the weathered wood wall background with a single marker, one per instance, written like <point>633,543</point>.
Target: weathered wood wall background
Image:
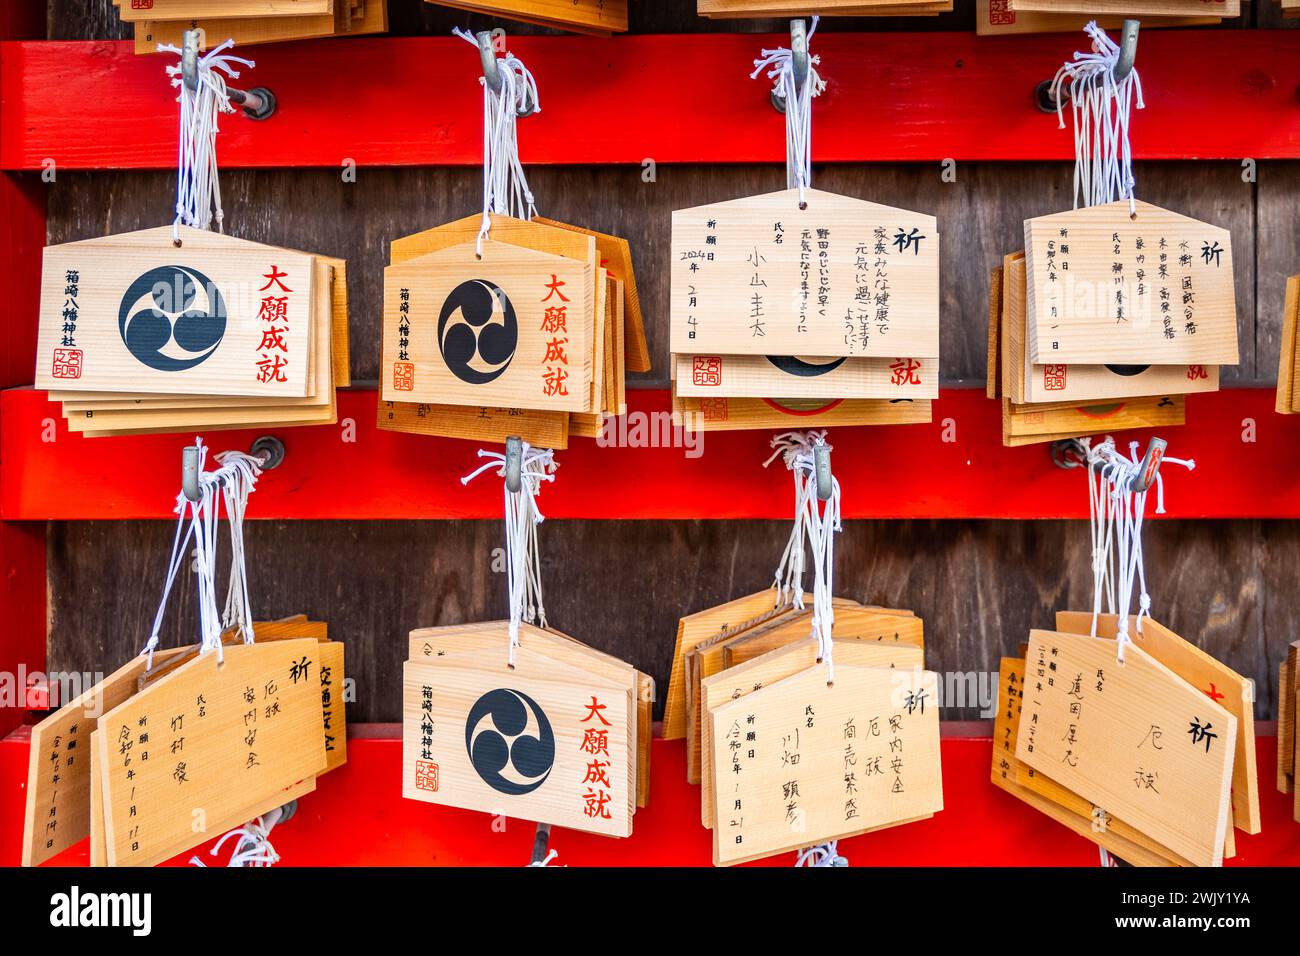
<point>621,585</point>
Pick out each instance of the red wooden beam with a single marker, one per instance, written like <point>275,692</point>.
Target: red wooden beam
<point>954,467</point>
<point>673,99</point>
<point>357,817</point>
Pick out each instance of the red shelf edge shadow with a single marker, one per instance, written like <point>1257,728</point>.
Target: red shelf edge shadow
<point>932,96</point>
<point>979,825</point>
<point>953,467</point>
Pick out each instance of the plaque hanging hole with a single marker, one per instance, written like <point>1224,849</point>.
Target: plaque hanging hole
<point>177,243</point>
<point>510,666</point>
<point>830,683</point>
<point>803,205</point>
<point>1133,216</point>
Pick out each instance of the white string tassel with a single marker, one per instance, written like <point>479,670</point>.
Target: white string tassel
<point>505,186</point>
<point>252,845</point>
<point>1103,158</point>
<point>523,560</point>
<point>788,580</point>
<point>824,854</point>
<point>200,520</point>
<point>198,191</point>
<point>1116,516</point>
<point>779,64</point>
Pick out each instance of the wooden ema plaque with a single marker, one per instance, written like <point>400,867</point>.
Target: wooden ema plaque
<point>996,17</point>
<point>745,678</point>
<point>1132,8</point>
<point>730,414</point>
<point>543,741</point>
<point>185,9</point>
<point>188,755</point>
<point>760,376</point>
<point>1153,289</point>
<point>1288,359</point>
<point>1006,769</point>
<point>225,319</point>
<point>1132,738</point>
<point>734,9</point>
<point>58,775</point>
<point>843,277</point>
<point>443,642</point>
<point>1056,382</point>
<point>801,762</point>
<point>592,17</point>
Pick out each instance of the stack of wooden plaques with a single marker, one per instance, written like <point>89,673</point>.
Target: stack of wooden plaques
<point>732,9</point>
<point>1110,323</point>
<point>1288,403</point>
<point>815,316</point>
<point>1290,8</point>
<point>747,692</point>
<point>534,339</point>
<point>139,335</point>
<point>1153,760</point>
<point>249,21</point>
<point>559,736</point>
<point>1059,16</point>
<point>592,17</point>
<point>1288,699</point>
<point>144,763</point>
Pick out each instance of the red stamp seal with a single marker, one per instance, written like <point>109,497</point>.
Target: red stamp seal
<point>403,376</point>
<point>714,409</point>
<point>1054,378</point>
<point>426,776</point>
<point>706,370</point>
<point>141,4</point>
<point>67,363</point>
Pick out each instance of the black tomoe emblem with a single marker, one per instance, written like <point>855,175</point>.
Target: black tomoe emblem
<point>477,331</point>
<point>797,366</point>
<point>509,741</point>
<point>172,318</point>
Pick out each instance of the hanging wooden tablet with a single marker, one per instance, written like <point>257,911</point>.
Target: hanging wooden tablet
<point>58,774</point>
<point>1287,403</point>
<point>509,327</point>
<point>740,680</point>
<point>1221,684</point>
<point>594,17</point>
<point>1287,685</point>
<point>185,9</point>
<point>759,376</point>
<point>1028,424</point>
<point>801,761</point>
<point>444,642</point>
<point>542,741</point>
<point>172,751</point>
<point>538,428</point>
<point>1006,725</point>
<point>1152,288</point>
<point>151,318</point>
<point>348,19</point>
<point>996,17</point>
<point>701,626</point>
<point>733,9</point>
<point>726,414</point>
<point>841,277</point>
<point>1131,738</point>
<point>1132,8</point>
<point>1028,383</point>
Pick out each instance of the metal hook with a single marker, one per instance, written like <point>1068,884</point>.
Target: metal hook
<point>514,464</point>
<point>1146,475</point>
<point>541,844</point>
<point>1128,41</point>
<point>487,55</point>
<point>1068,453</point>
<point>799,60</point>
<point>268,448</point>
<point>822,463</point>
<point>258,103</point>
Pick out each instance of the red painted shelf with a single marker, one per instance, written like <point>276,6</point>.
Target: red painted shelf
<point>674,99</point>
<point>903,471</point>
<point>358,817</point>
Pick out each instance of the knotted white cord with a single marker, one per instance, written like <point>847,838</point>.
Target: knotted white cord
<point>523,561</point>
<point>779,64</point>
<point>200,520</point>
<point>505,187</point>
<point>1116,514</point>
<point>788,580</point>
<point>1103,159</point>
<point>818,525</point>
<point>252,847</point>
<point>198,190</point>
<point>824,854</point>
